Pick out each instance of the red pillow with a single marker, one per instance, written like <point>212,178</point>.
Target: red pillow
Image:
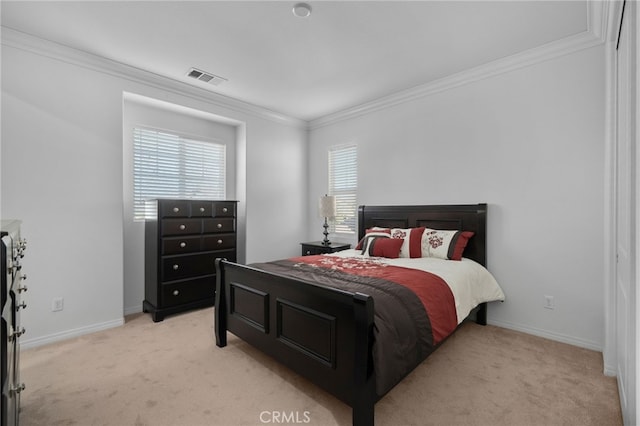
<point>460,244</point>
<point>383,247</point>
<point>372,231</point>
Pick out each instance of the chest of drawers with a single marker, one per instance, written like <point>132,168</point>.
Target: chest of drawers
<point>181,245</point>
<point>12,248</point>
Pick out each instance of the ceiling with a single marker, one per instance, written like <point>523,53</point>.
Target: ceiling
<point>345,54</point>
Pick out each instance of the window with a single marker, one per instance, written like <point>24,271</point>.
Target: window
<point>343,184</point>
<point>166,165</point>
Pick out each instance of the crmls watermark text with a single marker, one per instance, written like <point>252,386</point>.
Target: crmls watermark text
<point>280,417</point>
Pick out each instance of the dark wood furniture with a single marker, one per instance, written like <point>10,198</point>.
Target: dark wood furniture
<point>12,247</point>
<point>260,307</point>
<point>316,247</point>
<point>181,245</point>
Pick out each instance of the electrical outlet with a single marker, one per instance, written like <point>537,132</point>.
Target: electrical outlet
<point>549,302</point>
<point>57,304</point>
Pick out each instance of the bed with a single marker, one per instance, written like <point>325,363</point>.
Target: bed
<point>333,318</point>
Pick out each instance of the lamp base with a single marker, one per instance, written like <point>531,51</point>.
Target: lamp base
<point>326,241</point>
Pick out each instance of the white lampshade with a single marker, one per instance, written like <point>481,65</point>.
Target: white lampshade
<point>327,206</point>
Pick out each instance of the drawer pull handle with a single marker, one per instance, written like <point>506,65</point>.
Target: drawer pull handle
<point>176,267</point>
<point>219,226</point>
<point>201,209</point>
<point>183,244</point>
<point>182,227</point>
<point>219,241</point>
<point>224,209</point>
<point>17,389</point>
<point>23,305</point>
<point>176,292</point>
<point>14,334</point>
<point>176,209</point>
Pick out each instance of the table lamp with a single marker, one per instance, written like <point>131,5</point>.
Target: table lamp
<point>327,209</point>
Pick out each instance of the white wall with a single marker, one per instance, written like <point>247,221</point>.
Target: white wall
<point>276,211</point>
<point>62,174</point>
<point>530,143</point>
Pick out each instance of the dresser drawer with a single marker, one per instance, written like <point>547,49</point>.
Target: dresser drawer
<point>219,225</point>
<point>180,245</point>
<point>184,266</point>
<point>185,291</point>
<point>316,247</point>
<point>229,255</point>
<point>218,242</point>
<point>170,208</point>
<point>224,209</point>
<point>201,209</point>
<point>310,251</point>
<point>181,226</point>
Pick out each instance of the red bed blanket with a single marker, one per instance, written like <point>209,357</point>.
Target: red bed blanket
<point>413,310</point>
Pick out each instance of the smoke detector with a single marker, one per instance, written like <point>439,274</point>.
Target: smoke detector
<point>206,77</point>
<point>302,10</point>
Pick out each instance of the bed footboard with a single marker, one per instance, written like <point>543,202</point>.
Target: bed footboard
<point>321,333</point>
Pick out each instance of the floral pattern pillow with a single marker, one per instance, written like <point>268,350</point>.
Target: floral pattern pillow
<point>412,241</point>
<point>447,245</point>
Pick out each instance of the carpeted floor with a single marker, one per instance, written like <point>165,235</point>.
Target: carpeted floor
<point>171,373</point>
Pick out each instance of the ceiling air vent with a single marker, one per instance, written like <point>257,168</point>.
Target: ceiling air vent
<point>205,76</point>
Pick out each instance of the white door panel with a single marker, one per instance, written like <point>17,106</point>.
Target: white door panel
<point>626,216</point>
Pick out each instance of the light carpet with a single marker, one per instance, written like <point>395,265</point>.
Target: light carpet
<point>172,373</point>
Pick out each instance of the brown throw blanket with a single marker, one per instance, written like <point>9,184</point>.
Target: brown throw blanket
<point>414,310</point>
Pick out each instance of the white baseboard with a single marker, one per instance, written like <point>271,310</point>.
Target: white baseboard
<point>549,335</point>
<point>610,371</point>
<point>68,334</point>
<point>133,310</point>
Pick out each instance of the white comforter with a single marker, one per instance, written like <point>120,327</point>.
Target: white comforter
<point>470,282</point>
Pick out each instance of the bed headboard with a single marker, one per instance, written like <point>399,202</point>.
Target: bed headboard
<point>463,217</point>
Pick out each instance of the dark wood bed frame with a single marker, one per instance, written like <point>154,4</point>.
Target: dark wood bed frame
<point>322,333</point>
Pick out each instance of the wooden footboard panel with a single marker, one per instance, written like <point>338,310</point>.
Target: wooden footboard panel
<point>322,333</point>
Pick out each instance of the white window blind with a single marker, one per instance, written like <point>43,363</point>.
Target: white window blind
<point>343,184</point>
<point>167,165</point>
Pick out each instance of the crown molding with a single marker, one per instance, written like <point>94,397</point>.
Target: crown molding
<point>26,42</point>
<point>597,30</point>
<point>597,17</point>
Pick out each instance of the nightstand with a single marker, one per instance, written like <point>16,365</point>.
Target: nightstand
<point>316,247</point>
